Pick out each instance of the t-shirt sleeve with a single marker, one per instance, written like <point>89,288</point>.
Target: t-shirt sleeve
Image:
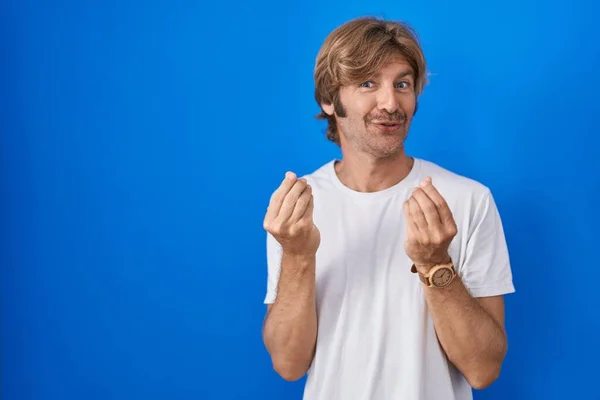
<point>274,254</point>
<point>486,269</point>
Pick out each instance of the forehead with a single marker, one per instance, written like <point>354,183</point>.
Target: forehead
<point>395,66</point>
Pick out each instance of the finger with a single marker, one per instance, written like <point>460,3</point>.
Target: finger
<point>301,204</point>
<point>308,213</point>
<point>429,209</point>
<point>279,195</point>
<point>287,208</point>
<point>411,227</point>
<point>440,203</point>
<point>417,215</point>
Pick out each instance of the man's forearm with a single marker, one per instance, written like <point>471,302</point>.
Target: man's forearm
<point>290,330</point>
<point>473,341</point>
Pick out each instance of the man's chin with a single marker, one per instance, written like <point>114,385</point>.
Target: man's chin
<point>387,146</point>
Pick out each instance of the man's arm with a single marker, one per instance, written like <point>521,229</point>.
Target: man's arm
<point>471,331</point>
<point>290,329</point>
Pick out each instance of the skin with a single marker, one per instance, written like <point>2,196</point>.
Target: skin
<point>470,330</point>
<point>290,328</point>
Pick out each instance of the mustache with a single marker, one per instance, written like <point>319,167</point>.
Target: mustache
<point>393,118</point>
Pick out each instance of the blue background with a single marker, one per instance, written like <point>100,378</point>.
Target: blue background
<point>140,142</point>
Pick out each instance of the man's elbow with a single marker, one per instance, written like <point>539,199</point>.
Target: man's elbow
<point>487,371</point>
<point>290,371</point>
<point>482,377</point>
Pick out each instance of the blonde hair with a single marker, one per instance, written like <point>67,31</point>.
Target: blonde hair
<point>357,50</point>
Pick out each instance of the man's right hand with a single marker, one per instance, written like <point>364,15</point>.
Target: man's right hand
<point>289,217</point>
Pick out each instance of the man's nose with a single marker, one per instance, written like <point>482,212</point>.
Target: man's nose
<point>387,100</point>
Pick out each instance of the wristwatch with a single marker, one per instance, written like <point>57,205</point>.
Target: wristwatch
<point>439,276</point>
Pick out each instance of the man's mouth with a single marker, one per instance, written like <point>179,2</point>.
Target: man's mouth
<point>388,126</point>
<point>387,122</point>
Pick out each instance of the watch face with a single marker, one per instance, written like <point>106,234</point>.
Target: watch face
<point>442,277</point>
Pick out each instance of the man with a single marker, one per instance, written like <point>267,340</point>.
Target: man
<point>385,272</point>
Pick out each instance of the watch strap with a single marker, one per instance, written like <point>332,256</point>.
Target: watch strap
<point>426,279</point>
<point>422,277</point>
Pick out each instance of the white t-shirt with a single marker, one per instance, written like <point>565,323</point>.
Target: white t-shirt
<point>376,339</point>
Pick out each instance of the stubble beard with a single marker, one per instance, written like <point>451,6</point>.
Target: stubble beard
<point>365,138</point>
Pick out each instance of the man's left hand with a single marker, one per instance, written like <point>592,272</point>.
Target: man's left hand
<point>430,227</point>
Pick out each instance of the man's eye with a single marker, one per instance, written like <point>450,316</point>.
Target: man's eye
<point>366,84</point>
<point>403,85</point>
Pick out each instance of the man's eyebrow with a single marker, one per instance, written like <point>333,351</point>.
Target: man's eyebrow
<point>406,73</point>
<point>402,74</point>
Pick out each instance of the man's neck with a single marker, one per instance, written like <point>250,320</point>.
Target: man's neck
<point>365,173</point>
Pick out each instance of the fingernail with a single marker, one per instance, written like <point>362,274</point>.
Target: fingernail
<point>290,175</point>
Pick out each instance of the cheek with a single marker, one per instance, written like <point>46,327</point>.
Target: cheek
<point>408,104</point>
<point>363,107</point>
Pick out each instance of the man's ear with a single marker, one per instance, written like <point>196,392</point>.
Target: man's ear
<point>328,108</point>
<point>416,107</point>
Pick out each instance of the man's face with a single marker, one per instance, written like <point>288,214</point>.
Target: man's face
<point>374,116</point>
